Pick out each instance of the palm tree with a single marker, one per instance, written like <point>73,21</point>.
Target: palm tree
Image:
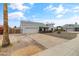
<point>6,41</point>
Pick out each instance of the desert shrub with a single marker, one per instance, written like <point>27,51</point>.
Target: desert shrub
<point>59,31</point>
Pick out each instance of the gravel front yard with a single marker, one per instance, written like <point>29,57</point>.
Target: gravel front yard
<point>64,35</point>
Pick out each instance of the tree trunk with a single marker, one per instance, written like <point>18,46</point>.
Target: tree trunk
<point>6,41</point>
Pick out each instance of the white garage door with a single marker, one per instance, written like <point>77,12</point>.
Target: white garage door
<point>30,30</point>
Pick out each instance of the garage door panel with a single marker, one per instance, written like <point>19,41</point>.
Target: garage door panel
<point>30,30</point>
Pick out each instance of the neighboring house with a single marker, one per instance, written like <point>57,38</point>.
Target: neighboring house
<point>71,27</point>
<point>51,27</point>
<point>11,30</point>
<point>15,30</point>
<point>30,27</point>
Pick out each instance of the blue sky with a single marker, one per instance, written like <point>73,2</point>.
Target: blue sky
<point>58,13</point>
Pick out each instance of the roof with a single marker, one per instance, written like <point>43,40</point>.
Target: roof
<point>71,25</point>
<point>32,23</point>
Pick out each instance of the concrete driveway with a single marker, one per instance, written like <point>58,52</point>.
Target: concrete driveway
<point>46,40</point>
<point>69,48</point>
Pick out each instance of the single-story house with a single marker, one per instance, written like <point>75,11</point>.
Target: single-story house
<point>30,27</point>
<point>33,27</point>
<point>51,26</point>
<point>14,30</point>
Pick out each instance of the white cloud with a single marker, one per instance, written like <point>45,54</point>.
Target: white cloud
<point>76,9</point>
<point>60,22</point>
<point>58,10</point>
<point>59,16</point>
<point>31,3</point>
<point>19,6</point>
<point>17,16</point>
<point>33,16</point>
<point>49,8</point>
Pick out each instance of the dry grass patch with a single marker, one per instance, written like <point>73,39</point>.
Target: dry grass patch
<point>27,51</point>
